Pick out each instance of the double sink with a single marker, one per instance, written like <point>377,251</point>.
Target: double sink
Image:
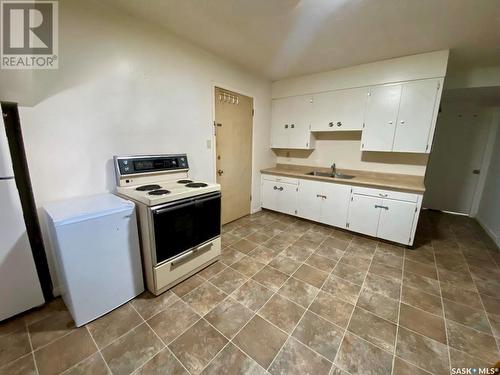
<point>331,175</point>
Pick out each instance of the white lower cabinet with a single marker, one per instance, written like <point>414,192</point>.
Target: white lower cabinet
<point>364,214</point>
<point>324,202</point>
<point>396,221</point>
<point>391,215</point>
<point>279,196</point>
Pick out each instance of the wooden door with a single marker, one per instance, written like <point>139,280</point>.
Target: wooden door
<point>233,137</point>
<point>396,221</point>
<point>416,114</point>
<point>380,118</point>
<point>339,110</point>
<point>364,213</point>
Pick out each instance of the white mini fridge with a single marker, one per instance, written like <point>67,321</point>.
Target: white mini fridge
<point>96,244</point>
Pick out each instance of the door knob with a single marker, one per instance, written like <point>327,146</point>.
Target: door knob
<point>220,172</point>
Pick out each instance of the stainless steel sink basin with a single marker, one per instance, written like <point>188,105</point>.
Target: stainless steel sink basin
<point>326,174</point>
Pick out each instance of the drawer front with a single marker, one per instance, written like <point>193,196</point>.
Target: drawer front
<point>170,273</point>
<point>386,194</point>
<point>286,180</point>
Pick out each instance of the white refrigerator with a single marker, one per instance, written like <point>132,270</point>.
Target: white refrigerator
<point>20,287</point>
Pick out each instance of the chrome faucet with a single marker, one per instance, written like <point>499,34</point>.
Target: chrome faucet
<point>334,169</point>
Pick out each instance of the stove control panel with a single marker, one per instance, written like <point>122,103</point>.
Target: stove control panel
<point>127,165</point>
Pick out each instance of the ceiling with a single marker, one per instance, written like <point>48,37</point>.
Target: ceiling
<point>283,38</point>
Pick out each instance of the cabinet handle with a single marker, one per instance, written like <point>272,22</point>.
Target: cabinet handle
<point>339,123</point>
<point>382,195</point>
<point>379,206</point>
<point>402,121</point>
<point>320,196</point>
<point>292,126</point>
<point>390,122</point>
<point>280,188</point>
<point>275,188</point>
<point>286,126</point>
<point>330,124</point>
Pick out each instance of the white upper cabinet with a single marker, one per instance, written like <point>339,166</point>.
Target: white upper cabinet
<point>291,123</point>
<point>339,110</point>
<point>380,118</point>
<point>416,116</point>
<point>401,117</point>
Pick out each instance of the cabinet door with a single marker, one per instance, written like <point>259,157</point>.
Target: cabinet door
<point>286,198</point>
<point>299,109</point>
<point>309,199</point>
<point>396,220</point>
<point>380,118</point>
<point>339,110</point>
<point>335,204</point>
<point>280,123</point>
<point>364,213</point>
<point>269,192</point>
<point>416,114</point>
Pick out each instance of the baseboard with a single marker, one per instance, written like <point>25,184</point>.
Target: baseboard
<point>254,210</point>
<point>489,232</point>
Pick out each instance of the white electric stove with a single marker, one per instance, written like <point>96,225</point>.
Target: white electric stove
<point>179,218</point>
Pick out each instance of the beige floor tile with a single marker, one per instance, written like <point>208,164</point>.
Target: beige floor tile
<point>422,351</point>
<point>332,309</point>
<point>390,260</point>
<point>378,284</point>
<point>162,363</point>
<point>252,294</point>
<point>282,313</point>
<point>471,317</point>
<point>296,358</point>
<point>14,346</point>
<point>420,269</point>
<point>320,262</point>
<point>319,334</point>
<point>422,322</point>
<point>228,280</point>
<point>360,357</point>
<point>50,328</point>
<point>341,288</point>
<point>379,305</point>
<point>285,264</point>
<point>270,278</point>
<point>374,329</point>
<point>65,352</point>
<point>94,365</point>
<point>422,300</point>
<point>297,252</point>
<point>248,266</point>
<point>114,324</point>
<point>311,275</point>
<point>298,291</point>
<point>260,340</point>
<point>166,327</point>
<point>263,254</point>
<point>196,347</point>
<point>422,283</point>
<point>229,316</point>
<point>204,298</point>
<point>186,286</point>
<point>349,273</point>
<point>258,237</point>
<point>491,304</point>
<point>22,366</point>
<point>230,255</point>
<point>244,246</point>
<point>402,367</point>
<point>211,270</point>
<point>386,271</point>
<point>232,360</point>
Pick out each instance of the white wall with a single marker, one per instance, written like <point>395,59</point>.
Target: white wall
<point>489,208</point>
<point>124,88</point>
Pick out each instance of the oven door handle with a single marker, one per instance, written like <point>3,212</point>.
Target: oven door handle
<point>173,207</point>
<point>189,253</point>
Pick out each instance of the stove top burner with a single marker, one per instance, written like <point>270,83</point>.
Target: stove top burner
<point>196,184</point>
<point>184,181</point>
<point>148,187</point>
<point>159,192</point>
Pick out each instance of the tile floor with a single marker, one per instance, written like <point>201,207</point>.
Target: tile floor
<point>291,297</point>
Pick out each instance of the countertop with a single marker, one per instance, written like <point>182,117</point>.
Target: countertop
<point>391,181</point>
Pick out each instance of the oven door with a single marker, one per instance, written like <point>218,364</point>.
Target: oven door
<point>182,225</point>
